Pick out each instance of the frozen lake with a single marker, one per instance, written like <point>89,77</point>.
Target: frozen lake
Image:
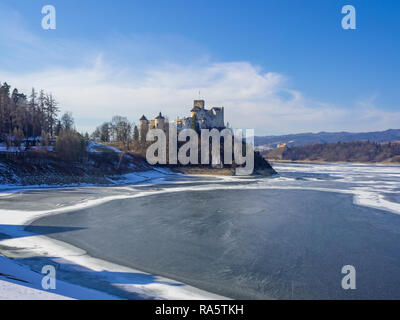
<point>258,238</point>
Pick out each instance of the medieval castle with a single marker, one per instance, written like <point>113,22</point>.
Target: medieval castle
<point>205,119</point>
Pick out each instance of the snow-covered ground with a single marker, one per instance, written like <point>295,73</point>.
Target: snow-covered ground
<point>98,147</point>
<point>127,178</point>
<point>3,148</point>
<point>18,282</point>
<point>16,182</point>
<point>92,147</point>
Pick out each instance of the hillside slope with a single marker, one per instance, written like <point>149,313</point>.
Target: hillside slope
<point>47,169</point>
<point>302,139</point>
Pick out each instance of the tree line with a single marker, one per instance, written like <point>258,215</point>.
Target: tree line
<point>22,116</point>
<point>119,130</point>
<point>357,151</point>
<point>37,116</point>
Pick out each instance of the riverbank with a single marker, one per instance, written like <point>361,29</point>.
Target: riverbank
<point>349,152</point>
<point>203,171</point>
<point>46,169</point>
<point>113,167</point>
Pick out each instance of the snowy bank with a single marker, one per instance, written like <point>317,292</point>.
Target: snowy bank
<point>18,282</point>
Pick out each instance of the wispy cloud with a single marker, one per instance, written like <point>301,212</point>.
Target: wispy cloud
<point>138,77</point>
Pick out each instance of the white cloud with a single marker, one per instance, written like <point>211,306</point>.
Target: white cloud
<point>126,76</point>
<point>252,98</point>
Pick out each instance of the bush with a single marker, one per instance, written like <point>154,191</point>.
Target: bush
<point>70,146</point>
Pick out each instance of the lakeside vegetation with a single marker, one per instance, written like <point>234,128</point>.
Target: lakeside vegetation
<point>358,151</point>
<point>38,146</point>
<point>32,124</point>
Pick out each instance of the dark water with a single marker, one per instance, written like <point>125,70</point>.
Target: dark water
<point>252,244</point>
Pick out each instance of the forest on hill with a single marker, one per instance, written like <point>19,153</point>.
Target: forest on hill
<point>22,116</point>
<point>40,147</point>
<point>31,123</point>
<point>357,151</point>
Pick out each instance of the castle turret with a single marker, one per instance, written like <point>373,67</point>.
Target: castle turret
<point>198,103</point>
<point>143,128</point>
<point>160,121</point>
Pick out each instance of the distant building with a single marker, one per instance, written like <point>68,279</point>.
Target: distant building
<point>146,125</point>
<point>206,119</point>
<point>281,145</point>
<point>143,128</point>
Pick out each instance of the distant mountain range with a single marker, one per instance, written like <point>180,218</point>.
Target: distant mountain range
<point>302,139</point>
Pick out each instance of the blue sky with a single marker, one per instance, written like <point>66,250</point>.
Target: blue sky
<point>277,66</point>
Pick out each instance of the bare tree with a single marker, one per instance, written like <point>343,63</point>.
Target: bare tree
<point>67,121</point>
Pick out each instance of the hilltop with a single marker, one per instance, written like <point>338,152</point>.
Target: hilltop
<point>301,139</point>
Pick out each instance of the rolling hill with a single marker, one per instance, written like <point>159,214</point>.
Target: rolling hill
<point>302,139</point>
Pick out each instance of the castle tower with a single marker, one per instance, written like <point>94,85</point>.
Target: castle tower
<point>143,128</point>
<point>160,122</point>
<point>198,103</point>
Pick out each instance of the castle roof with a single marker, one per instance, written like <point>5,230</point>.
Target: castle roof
<point>196,108</point>
<point>160,116</point>
<point>143,118</point>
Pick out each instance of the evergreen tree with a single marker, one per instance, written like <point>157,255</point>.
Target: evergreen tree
<point>51,113</point>
<point>135,134</point>
<point>58,128</point>
<point>194,124</point>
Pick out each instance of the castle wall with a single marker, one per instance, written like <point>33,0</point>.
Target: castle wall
<point>207,119</point>
<point>143,129</point>
<point>215,118</point>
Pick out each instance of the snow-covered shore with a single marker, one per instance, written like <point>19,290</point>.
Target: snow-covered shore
<point>18,282</point>
<point>104,165</point>
<point>127,178</point>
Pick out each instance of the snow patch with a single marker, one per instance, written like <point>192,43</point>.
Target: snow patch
<point>19,282</point>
